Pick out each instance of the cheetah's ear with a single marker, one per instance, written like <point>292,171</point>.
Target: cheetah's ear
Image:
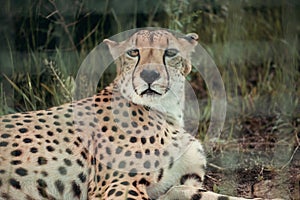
<point>192,38</point>
<point>113,47</point>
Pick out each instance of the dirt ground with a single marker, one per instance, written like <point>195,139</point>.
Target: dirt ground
<point>262,162</point>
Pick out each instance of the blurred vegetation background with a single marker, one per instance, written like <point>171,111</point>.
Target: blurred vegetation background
<point>254,43</point>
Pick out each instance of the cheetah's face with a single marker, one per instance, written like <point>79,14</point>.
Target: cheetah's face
<point>152,64</point>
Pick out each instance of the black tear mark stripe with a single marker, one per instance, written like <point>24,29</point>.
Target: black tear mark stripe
<point>76,189</point>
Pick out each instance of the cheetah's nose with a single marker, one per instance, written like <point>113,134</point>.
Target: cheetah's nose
<point>149,76</point>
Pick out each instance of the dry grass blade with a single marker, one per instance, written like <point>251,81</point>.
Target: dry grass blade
<point>19,91</point>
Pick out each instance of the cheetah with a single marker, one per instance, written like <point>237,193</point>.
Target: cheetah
<point>126,142</point>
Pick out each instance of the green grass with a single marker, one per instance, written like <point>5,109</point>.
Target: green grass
<point>255,46</point>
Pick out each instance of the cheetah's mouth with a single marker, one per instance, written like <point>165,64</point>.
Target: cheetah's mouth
<point>150,91</point>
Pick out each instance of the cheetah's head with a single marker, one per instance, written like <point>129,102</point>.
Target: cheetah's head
<point>152,66</point>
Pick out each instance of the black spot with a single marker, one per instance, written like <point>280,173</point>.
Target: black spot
<point>69,151</point>
<point>105,99</point>
<point>145,127</point>
<point>121,137</point>
<point>132,172</point>
<point>76,189</point>
<point>134,124</point>
<point>9,126</point>
<point>99,167</point>
<point>3,144</point>
<point>133,113</point>
<point>42,120</point>
<point>125,183</point>
<point>165,153</point>
<point>93,161</point>
<point>147,164</point>
<point>42,161</point>
<point>190,176</point>
<point>111,192</point>
<point>114,128</point>
<point>143,181</point>
<point>41,183</point>
<point>50,133</point>
<point>108,151</point>
<point>27,140</point>
<point>37,127</point>
<point>119,150</point>
<point>82,177</point>
<point>62,170</point>
<point>138,154</point>
<point>143,140</point>
<point>128,153</point>
<point>133,139</point>
<point>156,152</point>
<point>140,112</point>
<point>66,139</point>
<point>124,125</point>
<point>106,118</point>
<point>119,193</point>
<point>132,192</point>
<point>5,135</point>
<point>55,141</point>
<point>98,178</point>
<point>111,138</point>
<point>67,115</point>
<point>59,186</point>
<point>23,130</point>
<point>21,171</point>
<point>103,183</point>
<point>160,175</point>
<point>79,162</point>
<point>56,123</point>
<point>16,162</point>
<point>141,119</point>
<point>107,176</point>
<point>16,153</point>
<point>196,197</point>
<point>38,136</point>
<point>115,173</point>
<point>98,99</point>
<point>83,155</point>
<point>59,130</point>
<point>56,117</point>
<point>122,164</point>
<point>152,140</point>
<point>50,148</point>
<point>104,129</point>
<point>45,174</point>
<point>171,162</point>
<point>67,162</point>
<point>16,184</point>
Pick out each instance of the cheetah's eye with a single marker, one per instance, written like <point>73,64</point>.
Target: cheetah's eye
<point>133,52</point>
<point>171,52</point>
